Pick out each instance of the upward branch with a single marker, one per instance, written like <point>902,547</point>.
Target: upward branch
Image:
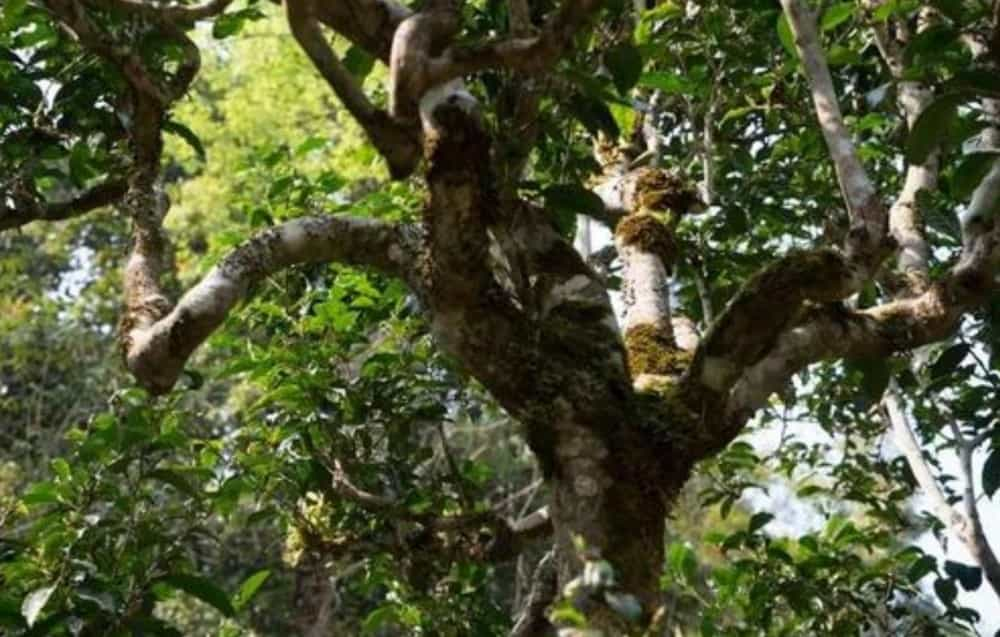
<point>868,218</point>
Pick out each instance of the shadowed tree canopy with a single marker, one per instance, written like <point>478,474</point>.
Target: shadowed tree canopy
<point>333,287</point>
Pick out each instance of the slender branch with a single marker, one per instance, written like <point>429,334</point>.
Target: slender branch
<point>368,24</point>
<point>868,218</point>
<point>532,620</point>
<point>908,444</point>
<point>24,212</point>
<point>400,145</point>
<point>533,55</point>
<point>158,343</point>
<point>968,525</point>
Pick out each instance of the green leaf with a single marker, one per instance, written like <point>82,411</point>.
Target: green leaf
<point>991,473</point>
<point>786,36</point>
<point>931,126</point>
<point>13,8</point>
<point>185,133</point>
<point>682,560</point>
<point>358,62</point>
<point>625,63</point>
<point>174,479</point>
<point>875,374</point>
<point>309,145</point>
<point>970,172</point>
<point>977,81</point>
<point>229,24</point>
<point>595,115</point>
<point>80,169</point>
<point>203,589</point>
<point>836,15</point>
<point>948,360</point>
<point>759,521</point>
<point>249,588</point>
<point>42,493</point>
<point>34,602</point>
<point>946,591</point>
<point>921,568</point>
<point>669,83</point>
<point>970,577</point>
<point>61,468</point>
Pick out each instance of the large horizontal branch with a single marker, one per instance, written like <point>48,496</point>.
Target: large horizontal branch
<point>823,332</point>
<point>867,214</point>
<point>833,332</point>
<point>156,349</point>
<point>25,211</point>
<point>768,303</point>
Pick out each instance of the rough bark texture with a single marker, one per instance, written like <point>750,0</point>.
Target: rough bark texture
<point>617,417</point>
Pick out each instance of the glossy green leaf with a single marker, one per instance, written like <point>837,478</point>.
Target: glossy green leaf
<point>249,588</point>
<point>836,15</point>
<point>203,589</point>
<point>930,128</point>
<point>991,473</point>
<point>188,135</point>
<point>625,63</point>
<point>970,577</point>
<point>970,173</point>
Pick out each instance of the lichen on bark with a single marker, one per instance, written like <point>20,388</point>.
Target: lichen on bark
<point>651,350</point>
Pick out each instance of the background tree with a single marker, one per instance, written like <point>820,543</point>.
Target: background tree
<point>351,447</point>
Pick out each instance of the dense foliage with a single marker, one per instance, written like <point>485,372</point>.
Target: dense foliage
<point>322,467</point>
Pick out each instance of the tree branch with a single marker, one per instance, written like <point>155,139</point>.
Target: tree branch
<point>968,526</point>
<point>533,55</point>
<point>532,620</point>
<point>652,201</point>
<point>368,24</point>
<point>868,217</point>
<point>905,223</point>
<point>399,144</point>
<point>27,210</point>
<point>158,342</point>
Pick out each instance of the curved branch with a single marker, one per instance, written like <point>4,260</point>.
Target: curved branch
<point>769,302</point>
<point>533,55</point>
<point>25,212</point>
<point>400,145</point>
<point>157,343</point>
<point>368,24</point>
